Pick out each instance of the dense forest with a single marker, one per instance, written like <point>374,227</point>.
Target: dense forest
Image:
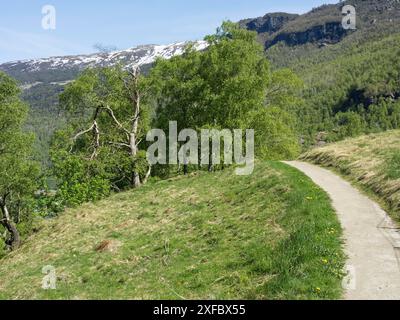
<point>354,90</point>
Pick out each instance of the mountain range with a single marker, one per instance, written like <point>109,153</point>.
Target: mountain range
<point>321,26</point>
<point>303,43</point>
<point>62,69</point>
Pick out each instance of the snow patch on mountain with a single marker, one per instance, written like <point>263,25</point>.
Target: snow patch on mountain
<point>134,57</point>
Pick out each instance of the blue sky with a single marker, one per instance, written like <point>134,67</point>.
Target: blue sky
<point>122,23</point>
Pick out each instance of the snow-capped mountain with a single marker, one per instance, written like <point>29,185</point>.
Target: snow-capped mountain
<point>34,72</point>
<point>42,80</point>
<point>138,56</point>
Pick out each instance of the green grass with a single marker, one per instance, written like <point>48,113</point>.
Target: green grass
<point>392,165</point>
<point>271,235</point>
<point>371,162</point>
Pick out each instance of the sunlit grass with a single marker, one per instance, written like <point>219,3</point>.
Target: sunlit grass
<point>271,235</point>
<point>371,161</point>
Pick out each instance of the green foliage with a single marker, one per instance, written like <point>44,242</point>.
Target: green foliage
<point>392,165</point>
<point>18,173</point>
<point>81,180</point>
<point>229,85</point>
<point>349,124</point>
<point>275,139</point>
<point>91,156</point>
<point>351,87</point>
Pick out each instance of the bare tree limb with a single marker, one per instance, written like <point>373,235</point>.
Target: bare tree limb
<point>96,133</point>
<point>112,115</point>
<point>146,178</point>
<point>82,133</point>
<point>137,143</point>
<point>119,144</point>
<point>15,240</point>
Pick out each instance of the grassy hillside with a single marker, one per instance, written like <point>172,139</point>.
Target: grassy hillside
<point>372,162</point>
<point>272,235</point>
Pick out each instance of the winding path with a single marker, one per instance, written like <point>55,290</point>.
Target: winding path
<point>372,239</point>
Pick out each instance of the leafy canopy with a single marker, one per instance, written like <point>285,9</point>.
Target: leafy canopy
<point>229,85</point>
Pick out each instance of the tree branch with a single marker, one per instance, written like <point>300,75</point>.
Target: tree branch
<point>119,144</point>
<point>96,133</point>
<point>81,134</point>
<point>112,115</point>
<point>146,178</point>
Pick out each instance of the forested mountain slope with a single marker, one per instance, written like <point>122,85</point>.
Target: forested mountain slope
<point>352,78</point>
<point>323,25</point>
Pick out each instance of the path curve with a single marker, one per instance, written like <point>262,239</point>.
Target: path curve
<point>372,239</point>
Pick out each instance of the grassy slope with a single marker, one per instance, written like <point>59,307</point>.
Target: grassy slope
<point>372,162</point>
<point>272,235</point>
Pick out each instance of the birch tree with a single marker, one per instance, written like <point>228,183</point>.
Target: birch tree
<point>18,174</point>
<point>108,116</point>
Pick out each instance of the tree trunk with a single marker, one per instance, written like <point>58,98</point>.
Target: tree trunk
<point>136,179</point>
<point>14,241</point>
<point>210,157</point>
<point>134,150</point>
<point>135,126</point>
<point>148,174</point>
<point>210,164</point>
<point>135,175</point>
